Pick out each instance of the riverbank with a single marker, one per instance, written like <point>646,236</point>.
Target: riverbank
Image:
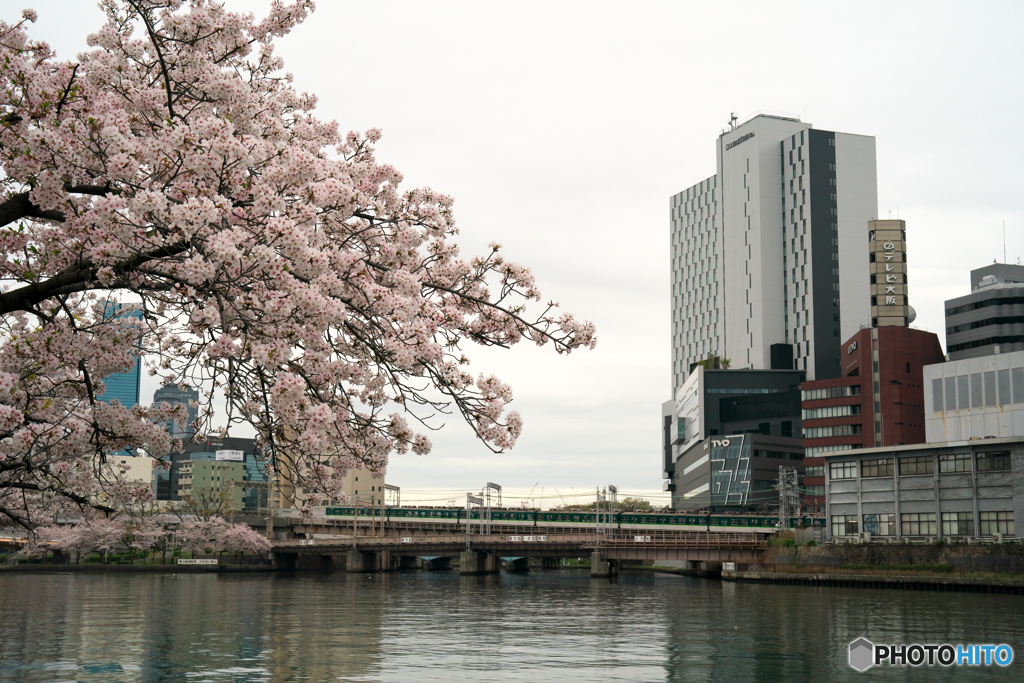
<point>98,568</point>
<point>903,582</point>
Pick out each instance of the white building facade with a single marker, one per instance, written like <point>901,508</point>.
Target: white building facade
<point>975,398</point>
<point>773,249</point>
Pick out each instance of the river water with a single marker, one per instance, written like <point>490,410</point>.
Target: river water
<point>542,626</point>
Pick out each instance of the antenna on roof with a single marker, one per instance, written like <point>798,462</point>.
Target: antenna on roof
<point>732,120</point>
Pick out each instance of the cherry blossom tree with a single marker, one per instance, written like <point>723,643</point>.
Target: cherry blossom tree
<point>241,538</point>
<point>173,174</point>
<point>217,535</point>
<point>121,532</point>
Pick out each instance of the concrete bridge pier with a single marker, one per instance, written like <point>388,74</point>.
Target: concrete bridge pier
<point>517,565</point>
<point>435,564</point>
<point>370,561</point>
<point>286,561</point>
<point>409,562</point>
<point>601,567</point>
<point>477,562</point>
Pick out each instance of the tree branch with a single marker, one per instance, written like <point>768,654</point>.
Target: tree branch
<point>20,206</point>
<point>77,278</point>
<point>144,15</point>
<point>81,500</point>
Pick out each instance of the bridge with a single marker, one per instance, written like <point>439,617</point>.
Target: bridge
<point>373,545</point>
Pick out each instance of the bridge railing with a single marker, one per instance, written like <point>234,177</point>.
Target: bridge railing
<point>581,537</point>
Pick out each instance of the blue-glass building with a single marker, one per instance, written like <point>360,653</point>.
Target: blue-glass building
<point>174,395</point>
<point>122,386</point>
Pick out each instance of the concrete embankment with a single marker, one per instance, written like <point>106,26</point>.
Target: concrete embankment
<point>917,583</point>
<point>98,568</point>
<point>961,567</point>
<point>961,557</point>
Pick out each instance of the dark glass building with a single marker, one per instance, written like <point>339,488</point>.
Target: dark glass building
<point>726,435</point>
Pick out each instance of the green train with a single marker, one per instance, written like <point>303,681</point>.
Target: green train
<point>667,521</point>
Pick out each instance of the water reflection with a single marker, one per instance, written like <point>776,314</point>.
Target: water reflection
<point>544,626</point>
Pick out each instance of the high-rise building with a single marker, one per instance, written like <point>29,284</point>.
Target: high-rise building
<point>174,396</point>
<point>768,255</point>
<point>990,319</point>
<point>889,288</point>
<point>122,386</point>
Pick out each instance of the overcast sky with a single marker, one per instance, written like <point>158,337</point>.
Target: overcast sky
<point>562,129</point>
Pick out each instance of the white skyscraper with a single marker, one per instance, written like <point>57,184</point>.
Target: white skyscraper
<point>770,254</point>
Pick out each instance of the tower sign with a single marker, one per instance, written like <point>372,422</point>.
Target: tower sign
<point>888,256</point>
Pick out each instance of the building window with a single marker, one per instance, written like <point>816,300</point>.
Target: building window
<point>882,467</point>
<point>831,392</point>
<point>917,524</point>
<point>831,411</point>
<point>990,462</point>
<point>996,523</point>
<point>1003,379</point>
<point>963,392</point>
<point>955,462</point>
<point>990,388</point>
<point>838,430</point>
<point>814,471</point>
<point>844,525</point>
<point>950,393</point>
<point>920,464</point>
<point>842,470</point>
<point>957,523</point>
<point>880,525</point>
<point>976,397</point>
<point>1018,384</point>
<point>811,451</point>
<point>818,490</point>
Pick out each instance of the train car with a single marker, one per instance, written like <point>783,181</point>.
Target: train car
<point>666,521</point>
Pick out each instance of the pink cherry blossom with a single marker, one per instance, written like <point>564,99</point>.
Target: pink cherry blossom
<point>271,259</point>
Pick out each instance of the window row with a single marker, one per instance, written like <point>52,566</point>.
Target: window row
<point>812,451</point>
<point>1001,320</point>
<point>999,301</point>
<point>837,430</point>
<point>831,392</point>
<point>988,341</point>
<point>994,461</point>
<point>925,524</point>
<point>830,411</point>
<point>977,390</point>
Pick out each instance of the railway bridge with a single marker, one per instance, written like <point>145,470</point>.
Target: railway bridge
<point>387,547</point>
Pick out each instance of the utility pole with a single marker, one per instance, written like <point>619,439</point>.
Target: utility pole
<point>789,496</point>
<point>492,495</point>
<point>470,500</point>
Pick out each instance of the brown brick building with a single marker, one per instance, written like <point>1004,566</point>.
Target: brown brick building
<point>878,400</point>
